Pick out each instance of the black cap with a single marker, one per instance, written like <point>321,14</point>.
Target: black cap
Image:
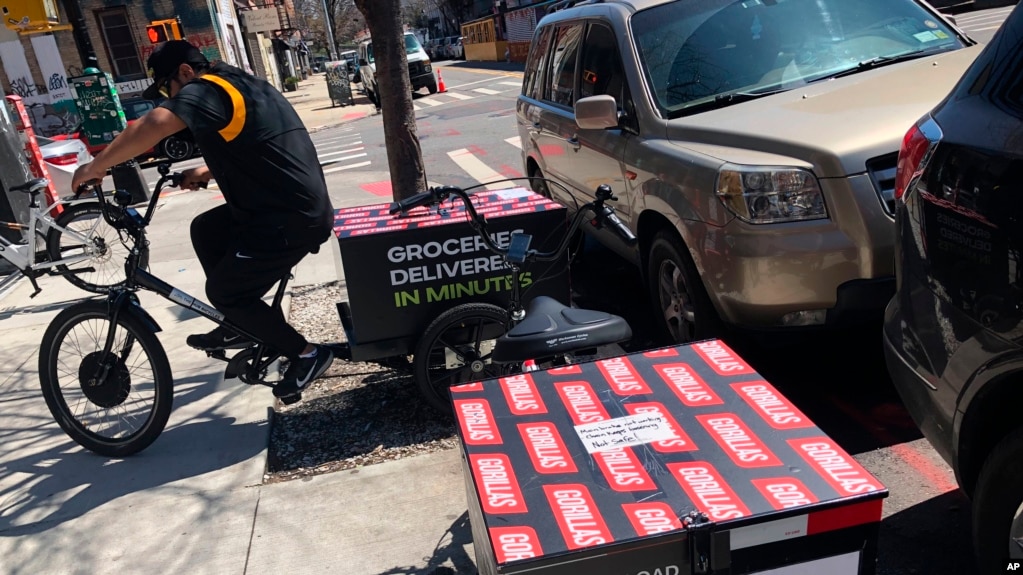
<point>165,60</point>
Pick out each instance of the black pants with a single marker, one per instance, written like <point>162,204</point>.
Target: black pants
<point>237,278</point>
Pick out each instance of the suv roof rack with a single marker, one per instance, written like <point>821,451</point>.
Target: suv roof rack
<point>566,4</point>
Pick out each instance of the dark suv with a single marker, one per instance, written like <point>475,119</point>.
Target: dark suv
<point>953,332</point>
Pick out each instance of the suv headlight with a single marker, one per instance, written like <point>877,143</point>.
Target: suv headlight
<point>767,195</point>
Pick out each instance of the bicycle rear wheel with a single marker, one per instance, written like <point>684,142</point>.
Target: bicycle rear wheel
<point>122,412</point>
<point>89,235</point>
<point>456,349</point>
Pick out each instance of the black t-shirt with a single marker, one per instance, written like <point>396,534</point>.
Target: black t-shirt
<point>259,152</point>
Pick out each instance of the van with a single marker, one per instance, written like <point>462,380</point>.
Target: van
<point>420,72</point>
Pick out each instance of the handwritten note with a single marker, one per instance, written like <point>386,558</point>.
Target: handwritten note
<point>624,432</point>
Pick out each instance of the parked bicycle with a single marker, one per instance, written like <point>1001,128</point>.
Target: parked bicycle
<point>78,244</point>
<point>475,341</point>
<point>107,381</point>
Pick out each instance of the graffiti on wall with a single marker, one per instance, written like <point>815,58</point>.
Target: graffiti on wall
<point>24,87</point>
<point>49,120</point>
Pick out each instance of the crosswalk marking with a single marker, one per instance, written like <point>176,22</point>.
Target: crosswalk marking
<point>338,138</point>
<point>516,141</point>
<point>459,96</point>
<point>478,170</point>
<point>341,159</point>
<point>348,167</point>
<point>429,102</point>
<point>516,84</point>
<point>486,91</point>
<point>342,152</point>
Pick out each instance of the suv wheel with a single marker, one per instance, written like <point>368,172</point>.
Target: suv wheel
<point>539,184</point>
<point>998,506</point>
<point>176,149</point>
<point>681,303</point>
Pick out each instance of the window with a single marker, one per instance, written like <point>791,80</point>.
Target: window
<point>120,43</point>
<point>532,79</point>
<point>601,65</point>
<point>563,62</point>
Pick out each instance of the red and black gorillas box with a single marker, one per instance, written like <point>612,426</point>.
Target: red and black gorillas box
<point>669,462</point>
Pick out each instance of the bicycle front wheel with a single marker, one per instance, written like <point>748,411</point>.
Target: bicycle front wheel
<point>456,349</point>
<point>114,403</point>
<point>85,240</point>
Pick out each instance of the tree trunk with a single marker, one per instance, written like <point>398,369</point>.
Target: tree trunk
<point>404,156</point>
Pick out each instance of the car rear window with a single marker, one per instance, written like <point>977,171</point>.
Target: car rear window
<point>693,51</point>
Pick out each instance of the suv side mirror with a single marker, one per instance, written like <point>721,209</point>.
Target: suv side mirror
<point>596,113</point>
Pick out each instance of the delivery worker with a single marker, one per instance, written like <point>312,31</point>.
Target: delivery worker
<point>277,209</point>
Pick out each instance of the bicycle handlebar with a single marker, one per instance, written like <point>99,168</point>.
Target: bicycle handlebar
<point>603,215</point>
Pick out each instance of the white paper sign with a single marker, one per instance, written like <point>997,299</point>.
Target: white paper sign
<point>624,432</point>
<point>262,20</point>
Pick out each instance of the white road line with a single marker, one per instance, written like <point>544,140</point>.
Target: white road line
<point>335,146</point>
<point>478,170</point>
<point>348,167</point>
<point>428,102</point>
<point>469,84</point>
<point>516,141</point>
<point>973,18</point>
<point>336,139</point>
<point>486,91</point>
<point>984,28</point>
<point>459,96</point>
<point>341,159</point>
<point>417,108</point>
<point>516,84</point>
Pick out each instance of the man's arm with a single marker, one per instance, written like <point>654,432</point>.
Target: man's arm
<point>139,137</point>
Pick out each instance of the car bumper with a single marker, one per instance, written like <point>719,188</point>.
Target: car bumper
<point>921,397</point>
<point>813,273</point>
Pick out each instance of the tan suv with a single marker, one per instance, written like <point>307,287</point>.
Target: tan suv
<point>752,144</point>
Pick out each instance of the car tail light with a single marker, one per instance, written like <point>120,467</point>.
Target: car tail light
<point>64,159</point>
<point>917,147</point>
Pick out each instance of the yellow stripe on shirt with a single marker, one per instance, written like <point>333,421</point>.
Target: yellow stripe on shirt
<point>234,127</point>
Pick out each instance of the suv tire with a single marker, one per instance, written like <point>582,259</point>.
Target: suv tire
<point>997,501</point>
<point>681,304</point>
<point>176,149</point>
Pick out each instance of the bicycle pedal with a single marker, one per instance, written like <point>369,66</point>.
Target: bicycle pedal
<point>291,399</point>
<point>216,354</point>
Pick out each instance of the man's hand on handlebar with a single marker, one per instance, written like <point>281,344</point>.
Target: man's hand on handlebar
<point>195,178</point>
<point>87,174</point>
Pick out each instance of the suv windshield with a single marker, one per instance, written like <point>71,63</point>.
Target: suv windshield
<point>694,52</point>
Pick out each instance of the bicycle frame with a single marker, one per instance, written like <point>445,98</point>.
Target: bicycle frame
<point>23,257</point>
<point>133,223</point>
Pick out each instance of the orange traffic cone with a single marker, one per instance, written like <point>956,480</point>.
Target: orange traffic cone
<point>440,83</point>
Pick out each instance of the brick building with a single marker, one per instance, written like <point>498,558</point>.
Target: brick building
<point>39,55</point>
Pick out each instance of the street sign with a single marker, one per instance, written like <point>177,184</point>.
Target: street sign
<point>262,20</point>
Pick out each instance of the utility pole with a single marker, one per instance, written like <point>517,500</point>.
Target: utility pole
<point>81,35</point>
<point>330,33</point>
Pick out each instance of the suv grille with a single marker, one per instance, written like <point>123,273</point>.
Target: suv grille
<point>415,68</point>
<point>882,175</point>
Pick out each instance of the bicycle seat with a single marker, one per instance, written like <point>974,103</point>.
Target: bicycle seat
<point>31,186</point>
<point>552,328</point>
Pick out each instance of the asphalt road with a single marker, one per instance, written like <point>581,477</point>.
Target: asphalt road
<point>468,135</point>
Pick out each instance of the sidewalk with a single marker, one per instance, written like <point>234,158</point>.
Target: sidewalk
<point>194,502</point>
<point>313,104</point>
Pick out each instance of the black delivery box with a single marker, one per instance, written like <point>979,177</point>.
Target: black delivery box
<point>404,271</point>
<point>676,461</point>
